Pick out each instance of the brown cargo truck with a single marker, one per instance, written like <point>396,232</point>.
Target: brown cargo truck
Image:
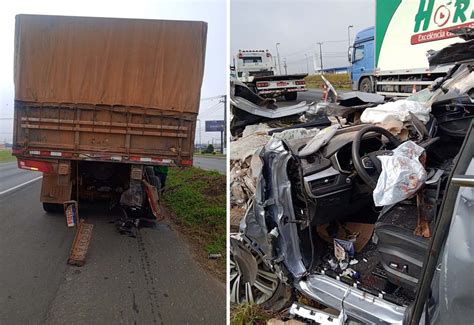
<point>99,101</point>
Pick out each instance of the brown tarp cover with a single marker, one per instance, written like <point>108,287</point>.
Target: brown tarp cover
<point>131,62</point>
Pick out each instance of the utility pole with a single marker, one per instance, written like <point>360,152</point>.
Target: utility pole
<point>315,63</point>
<point>278,56</point>
<point>349,41</point>
<point>321,56</point>
<point>222,141</point>
<point>200,140</point>
<point>307,63</point>
<point>349,34</point>
<point>224,138</point>
<point>284,65</point>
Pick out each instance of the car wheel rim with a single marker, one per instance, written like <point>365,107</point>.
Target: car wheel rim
<point>261,290</point>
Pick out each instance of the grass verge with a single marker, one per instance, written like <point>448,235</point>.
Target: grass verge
<point>338,80</point>
<point>210,155</point>
<point>249,314</point>
<point>6,156</point>
<point>197,200</point>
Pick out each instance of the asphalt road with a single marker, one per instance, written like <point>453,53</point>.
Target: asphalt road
<point>11,175</point>
<point>209,163</point>
<point>151,279</point>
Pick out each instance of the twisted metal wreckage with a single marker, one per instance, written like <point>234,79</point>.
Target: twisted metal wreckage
<point>364,208</point>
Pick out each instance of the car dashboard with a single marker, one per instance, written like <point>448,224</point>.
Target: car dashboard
<point>329,179</point>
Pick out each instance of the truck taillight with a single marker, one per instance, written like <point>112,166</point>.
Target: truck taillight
<point>269,55</point>
<point>17,151</point>
<point>241,55</point>
<point>36,165</point>
<point>186,162</point>
<point>300,82</point>
<point>262,84</point>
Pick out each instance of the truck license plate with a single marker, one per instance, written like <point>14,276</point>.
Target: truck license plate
<point>80,244</point>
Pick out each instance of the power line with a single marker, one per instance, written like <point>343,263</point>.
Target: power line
<point>211,98</point>
<point>299,52</point>
<point>216,105</point>
<point>312,47</point>
<point>301,60</point>
<point>340,41</point>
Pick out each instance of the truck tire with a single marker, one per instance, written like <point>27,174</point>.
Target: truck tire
<point>291,96</point>
<point>52,207</point>
<point>365,85</point>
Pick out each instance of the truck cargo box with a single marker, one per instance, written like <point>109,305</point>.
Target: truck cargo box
<point>107,89</point>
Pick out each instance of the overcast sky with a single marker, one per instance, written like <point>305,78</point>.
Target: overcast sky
<point>298,26</point>
<point>211,11</point>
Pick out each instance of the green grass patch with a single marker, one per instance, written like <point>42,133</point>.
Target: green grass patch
<point>6,156</point>
<point>338,80</point>
<point>198,199</point>
<point>211,155</point>
<point>247,314</point>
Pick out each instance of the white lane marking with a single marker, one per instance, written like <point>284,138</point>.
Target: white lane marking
<point>20,185</point>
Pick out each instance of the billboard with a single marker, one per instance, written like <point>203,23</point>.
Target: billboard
<point>215,126</point>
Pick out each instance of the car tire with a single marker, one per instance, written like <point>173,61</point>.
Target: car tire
<point>291,96</point>
<point>282,299</point>
<point>365,85</point>
<point>53,207</point>
<point>275,297</point>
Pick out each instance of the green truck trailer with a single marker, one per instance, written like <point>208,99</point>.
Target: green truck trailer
<point>391,57</point>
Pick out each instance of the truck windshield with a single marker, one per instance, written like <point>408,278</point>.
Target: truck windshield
<point>358,53</point>
<point>252,59</point>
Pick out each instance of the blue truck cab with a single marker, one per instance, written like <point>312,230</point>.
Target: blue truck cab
<point>362,59</point>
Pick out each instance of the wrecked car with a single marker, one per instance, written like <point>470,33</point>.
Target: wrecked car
<point>314,229</point>
<point>248,108</point>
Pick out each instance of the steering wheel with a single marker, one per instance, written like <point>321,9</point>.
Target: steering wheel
<point>369,162</point>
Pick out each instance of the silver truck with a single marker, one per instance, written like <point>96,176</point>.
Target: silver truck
<point>257,69</point>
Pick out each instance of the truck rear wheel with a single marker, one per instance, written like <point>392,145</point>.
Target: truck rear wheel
<point>291,96</point>
<point>52,207</point>
<point>365,85</point>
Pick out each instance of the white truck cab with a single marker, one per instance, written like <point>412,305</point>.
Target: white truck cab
<point>251,63</point>
<point>256,68</point>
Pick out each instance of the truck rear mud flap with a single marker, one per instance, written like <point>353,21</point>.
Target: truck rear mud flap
<point>351,301</point>
<point>81,244</point>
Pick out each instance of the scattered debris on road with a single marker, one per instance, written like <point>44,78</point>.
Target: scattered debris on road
<point>70,210</point>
